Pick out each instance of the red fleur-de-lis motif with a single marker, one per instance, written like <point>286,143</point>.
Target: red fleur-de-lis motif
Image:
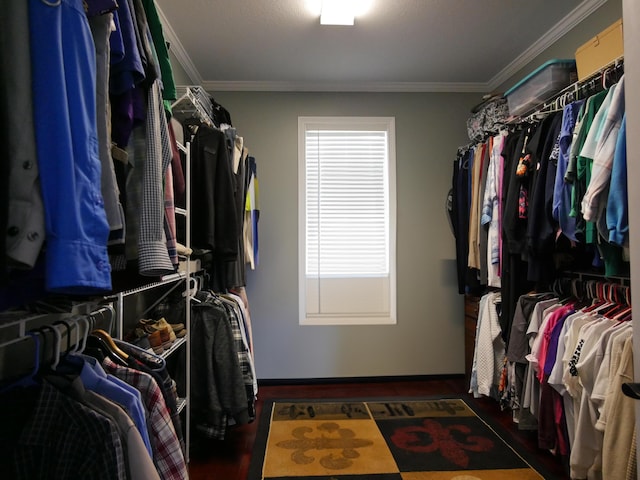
<point>432,436</point>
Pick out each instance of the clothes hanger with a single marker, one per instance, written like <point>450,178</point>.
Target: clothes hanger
<point>605,77</point>
<point>69,329</point>
<point>56,345</point>
<point>151,360</point>
<point>97,347</point>
<point>112,349</point>
<point>102,311</point>
<point>623,315</point>
<point>70,365</point>
<point>82,341</point>
<point>194,288</point>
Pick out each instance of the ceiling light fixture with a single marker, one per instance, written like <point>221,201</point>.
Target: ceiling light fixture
<point>342,12</point>
<point>337,12</point>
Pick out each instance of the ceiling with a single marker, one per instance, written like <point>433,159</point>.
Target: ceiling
<point>399,45</point>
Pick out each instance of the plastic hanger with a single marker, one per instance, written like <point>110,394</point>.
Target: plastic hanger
<point>56,345</point>
<point>194,288</point>
<point>103,311</point>
<point>81,344</point>
<point>69,329</point>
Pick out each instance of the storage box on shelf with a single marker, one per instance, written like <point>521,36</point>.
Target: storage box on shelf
<point>540,86</point>
<point>599,51</point>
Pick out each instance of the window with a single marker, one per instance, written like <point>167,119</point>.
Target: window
<point>347,220</point>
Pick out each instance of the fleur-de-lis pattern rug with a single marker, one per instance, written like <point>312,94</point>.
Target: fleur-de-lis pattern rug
<point>439,439</point>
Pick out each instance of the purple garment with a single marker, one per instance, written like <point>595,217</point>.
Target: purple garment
<point>127,71</point>
<point>127,112</point>
<point>552,349</point>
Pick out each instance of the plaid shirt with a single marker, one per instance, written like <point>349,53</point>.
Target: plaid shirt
<point>62,439</point>
<point>244,355</point>
<point>167,453</point>
<point>219,394</point>
<point>153,258</point>
<point>155,366</point>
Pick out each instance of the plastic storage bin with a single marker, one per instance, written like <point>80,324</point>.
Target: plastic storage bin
<point>540,85</point>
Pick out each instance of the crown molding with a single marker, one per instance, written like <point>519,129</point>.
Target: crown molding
<point>577,15</point>
<point>561,28</point>
<point>365,87</point>
<point>178,50</point>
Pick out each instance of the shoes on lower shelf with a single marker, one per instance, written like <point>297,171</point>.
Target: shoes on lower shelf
<point>178,329</point>
<point>161,325</point>
<point>158,335</point>
<point>155,340</point>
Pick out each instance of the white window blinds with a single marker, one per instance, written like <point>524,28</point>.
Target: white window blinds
<point>347,208</point>
<point>347,220</point>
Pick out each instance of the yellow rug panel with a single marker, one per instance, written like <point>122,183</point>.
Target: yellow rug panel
<point>511,474</point>
<point>327,447</point>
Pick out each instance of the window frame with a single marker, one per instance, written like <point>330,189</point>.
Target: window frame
<point>346,123</point>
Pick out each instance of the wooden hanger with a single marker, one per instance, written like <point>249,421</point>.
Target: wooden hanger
<point>110,344</point>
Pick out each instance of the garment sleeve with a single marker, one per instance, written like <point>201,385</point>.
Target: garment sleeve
<point>603,159</point>
<point>617,204</point>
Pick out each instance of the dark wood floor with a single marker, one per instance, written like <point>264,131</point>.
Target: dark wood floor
<point>229,459</point>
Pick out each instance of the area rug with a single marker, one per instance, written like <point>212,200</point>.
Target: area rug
<point>408,439</point>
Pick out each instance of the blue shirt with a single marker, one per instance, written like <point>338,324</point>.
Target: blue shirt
<point>94,378</point>
<point>617,203</point>
<point>562,189</point>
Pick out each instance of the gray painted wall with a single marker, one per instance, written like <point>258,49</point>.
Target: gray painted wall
<point>428,338</point>
<point>180,76</point>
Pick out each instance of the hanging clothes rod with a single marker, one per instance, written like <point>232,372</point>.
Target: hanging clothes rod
<point>51,335</point>
<point>104,317</point>
<point>593,287</point>
<point>622,280</point>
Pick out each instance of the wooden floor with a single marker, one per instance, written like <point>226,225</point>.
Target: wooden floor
<point>229,459</point>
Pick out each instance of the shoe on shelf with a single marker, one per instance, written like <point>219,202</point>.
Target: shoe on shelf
<point>178,329</point>
<point>166,333</point>
<point>155,340</point>
<point>162,323</point>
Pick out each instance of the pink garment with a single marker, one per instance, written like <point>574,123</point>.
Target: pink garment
<point>544,345</point>
<point>179,185</point>
<point>499,180</point>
